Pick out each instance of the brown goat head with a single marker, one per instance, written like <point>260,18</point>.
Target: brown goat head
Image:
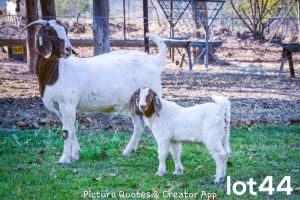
<point>145,101</point>
<point>52,39</point>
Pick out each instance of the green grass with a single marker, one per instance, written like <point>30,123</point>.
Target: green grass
<point>29,169</point>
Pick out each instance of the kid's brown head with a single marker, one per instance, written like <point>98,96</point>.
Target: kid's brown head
<point>145,101</point>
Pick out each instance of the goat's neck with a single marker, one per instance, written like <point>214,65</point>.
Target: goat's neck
<point>47,71</point>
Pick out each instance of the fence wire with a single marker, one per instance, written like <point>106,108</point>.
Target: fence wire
<point>238,47</point>
<point>129,25</point>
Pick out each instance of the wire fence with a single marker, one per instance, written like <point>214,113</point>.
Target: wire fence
<point>127,24</point>
<point>238,46</point>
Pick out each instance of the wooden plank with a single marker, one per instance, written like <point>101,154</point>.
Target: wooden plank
<point>293,47</point>
<point>119,43</point>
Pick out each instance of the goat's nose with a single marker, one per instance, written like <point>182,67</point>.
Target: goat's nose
<point>69,49</point>
<point>142,107</point>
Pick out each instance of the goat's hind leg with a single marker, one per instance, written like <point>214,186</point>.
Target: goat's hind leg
<point>175,149</point>
<point>218,153</point>
<point>139,127</point>
<point>226,147</point>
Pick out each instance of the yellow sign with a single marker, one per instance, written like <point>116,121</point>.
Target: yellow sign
<point>17,50</point>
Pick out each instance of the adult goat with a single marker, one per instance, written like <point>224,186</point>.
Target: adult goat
<point>102,83</point>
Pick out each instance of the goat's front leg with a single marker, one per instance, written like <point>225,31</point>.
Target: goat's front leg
<point>139,127</point>
<point>71,146</point>
<point>163,150</point>
<point>176,152</point>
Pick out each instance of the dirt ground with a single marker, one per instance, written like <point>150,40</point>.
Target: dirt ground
<point>249,80</point>
<point>256,95</point>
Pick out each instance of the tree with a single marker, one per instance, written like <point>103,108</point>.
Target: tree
<point>199,6</point>
<point>32,15</point>
<point>101,26</point>
<point>78,7</point>
<point>48,9</point>
<point>256,15</point>
<point>82,7</point>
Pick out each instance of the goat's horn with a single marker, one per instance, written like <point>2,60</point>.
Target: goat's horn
<point>38,22</point>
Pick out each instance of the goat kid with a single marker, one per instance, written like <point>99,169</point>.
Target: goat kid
<point>173,125</point>
<point>15,11</point>
<point>102,83</point>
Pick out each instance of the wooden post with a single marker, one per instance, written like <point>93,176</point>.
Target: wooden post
<point>146,24</point>
<point>48,9</point>
<point>124,21</point>
<point>101,26</point>
<point>31,15</point>
<point>299,20</point>
<point>291,64</point>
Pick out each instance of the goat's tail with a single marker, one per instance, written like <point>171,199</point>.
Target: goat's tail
<point>162,55</point>
<point>224,111</point>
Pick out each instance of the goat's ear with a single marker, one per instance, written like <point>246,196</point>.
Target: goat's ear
<point>43,43</point>
<point>132,103</point>
<point>157,104</point>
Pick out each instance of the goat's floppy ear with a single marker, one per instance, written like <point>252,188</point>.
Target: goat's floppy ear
<point>157,104</point>
<point>132,104</point>
<point>43,43</point>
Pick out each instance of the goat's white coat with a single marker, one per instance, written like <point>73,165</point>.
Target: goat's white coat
<point>206,123</point>
<point>102,83</point>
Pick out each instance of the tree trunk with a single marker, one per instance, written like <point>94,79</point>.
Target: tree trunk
<point>200,6</point>
<point>31,15</point>
<point>77,20</point>
<point>146,25</point>
<point>101,26</point>
<point>48,9</point>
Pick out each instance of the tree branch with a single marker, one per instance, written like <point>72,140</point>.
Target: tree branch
<point>240,17</point>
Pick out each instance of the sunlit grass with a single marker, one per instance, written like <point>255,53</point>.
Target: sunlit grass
<point>29,167</point>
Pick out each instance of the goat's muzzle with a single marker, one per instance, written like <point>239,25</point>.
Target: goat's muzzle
<point>142,108</point>
<point>67,53</point>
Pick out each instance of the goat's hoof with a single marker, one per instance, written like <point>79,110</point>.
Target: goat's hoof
<point>64,160</point>
<point>128,152</point>
<point>160,173</point>
<point>219,180</point>
<point>178,172</point>
<point>75,156</point>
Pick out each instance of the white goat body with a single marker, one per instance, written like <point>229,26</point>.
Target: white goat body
<point>102,83</point>
<point>172,125</point>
